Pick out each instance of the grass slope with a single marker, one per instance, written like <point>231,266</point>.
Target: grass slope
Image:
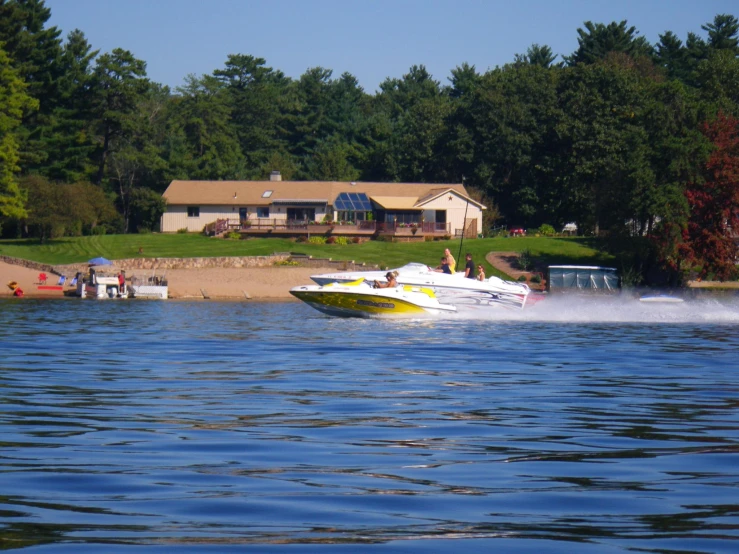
<point>546,251</point>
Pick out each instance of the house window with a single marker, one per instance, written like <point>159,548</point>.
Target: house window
<point>407,218</point>
<point>263,212</point>
<point>301,214</point>
<point>352,216</point>
<point>193,211</point>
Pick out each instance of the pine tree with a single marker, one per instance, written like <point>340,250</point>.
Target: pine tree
<point>70,144</point>
<point>597,40</point>
<point>35,52</point>
<point>722,33</point>
<point>14,103</point>
<point>119,83</point>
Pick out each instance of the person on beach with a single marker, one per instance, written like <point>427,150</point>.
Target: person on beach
<point>480,273</point>
<point>121,283</point>
<point>450,260</point>
<point>469,268</point>
<point>391,282</point>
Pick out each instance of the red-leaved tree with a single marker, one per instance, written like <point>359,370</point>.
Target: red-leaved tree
<point>709,240</point>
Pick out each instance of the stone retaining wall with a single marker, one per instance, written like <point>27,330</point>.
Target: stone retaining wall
<point>163,264</point>
<point>28,263</point>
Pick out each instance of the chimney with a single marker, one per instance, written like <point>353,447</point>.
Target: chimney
<point>275,176</point>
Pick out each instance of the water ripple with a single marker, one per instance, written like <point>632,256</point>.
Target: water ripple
<point>219,425</point>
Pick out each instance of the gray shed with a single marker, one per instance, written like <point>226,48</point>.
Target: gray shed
<point>563,278</point>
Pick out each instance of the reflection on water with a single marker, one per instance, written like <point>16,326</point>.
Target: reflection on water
<point>212,425</point>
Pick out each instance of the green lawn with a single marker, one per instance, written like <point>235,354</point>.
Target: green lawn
<point>545,251</point>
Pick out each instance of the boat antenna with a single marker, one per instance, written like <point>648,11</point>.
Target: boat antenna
<point>464,223</point>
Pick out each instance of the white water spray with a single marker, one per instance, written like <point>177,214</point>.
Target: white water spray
<point>616,309</point>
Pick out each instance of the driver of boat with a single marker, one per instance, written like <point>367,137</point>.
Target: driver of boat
<point>391,282</point>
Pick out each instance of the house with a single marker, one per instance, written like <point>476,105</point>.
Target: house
<point>279,207</point>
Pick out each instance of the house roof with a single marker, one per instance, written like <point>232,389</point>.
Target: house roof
<point>436,193</point>
<point>253,193</point>
<point>396,202</point>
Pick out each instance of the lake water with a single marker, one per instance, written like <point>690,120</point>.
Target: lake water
<point>577,426</point>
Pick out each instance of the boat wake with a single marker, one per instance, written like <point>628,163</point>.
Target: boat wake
<point>619,309</point>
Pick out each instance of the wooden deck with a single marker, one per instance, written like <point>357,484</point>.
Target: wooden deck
<point>362,229</point>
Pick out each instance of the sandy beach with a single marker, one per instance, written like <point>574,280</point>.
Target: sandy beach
<point>264,283</point>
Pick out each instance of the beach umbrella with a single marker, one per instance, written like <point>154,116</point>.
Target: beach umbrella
<point>100,261</point>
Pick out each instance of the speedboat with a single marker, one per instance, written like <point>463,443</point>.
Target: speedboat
<point>454,289</point>
<point>661,298</point>
<point>360,299</point>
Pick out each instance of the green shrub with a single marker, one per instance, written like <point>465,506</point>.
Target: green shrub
<point>343,241</point>
<point>522,278</point>
<point>536,278</point>
<point>631,277</point>
<point>524,260</point>
<point>317,240</point>
<point>182,231</point>
<point>547,231</point>
<point>232,235</point>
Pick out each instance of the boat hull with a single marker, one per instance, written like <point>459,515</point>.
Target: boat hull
<point>661,299</point>
<point>102,291</point>
<point>346,301</point>
<point>153,292</point>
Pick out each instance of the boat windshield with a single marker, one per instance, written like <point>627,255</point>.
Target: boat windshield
<point>413,267</point>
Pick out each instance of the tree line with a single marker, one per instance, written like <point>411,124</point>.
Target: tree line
<point>622,137</point>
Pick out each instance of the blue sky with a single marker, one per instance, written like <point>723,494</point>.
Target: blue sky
<point>371,39</point>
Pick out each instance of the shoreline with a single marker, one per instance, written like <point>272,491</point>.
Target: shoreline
<point>234,284</point>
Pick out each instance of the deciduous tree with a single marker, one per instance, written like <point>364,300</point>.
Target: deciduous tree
<point>710,236</point>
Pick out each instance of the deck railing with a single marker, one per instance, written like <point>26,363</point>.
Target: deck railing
<point>425,228</point>
<point>309,226</point>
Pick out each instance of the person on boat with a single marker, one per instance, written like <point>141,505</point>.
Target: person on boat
<point>450,260</point>
<point>391,282</point>
<point>469,267</point>
<point>121,282</point>
<point>480,273</point>
<point>444,266</point>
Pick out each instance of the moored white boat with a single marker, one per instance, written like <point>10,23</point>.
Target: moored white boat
<point>450,289</point>
<point>360,299</point>
<point>152,287</point>
<point>102,284</point>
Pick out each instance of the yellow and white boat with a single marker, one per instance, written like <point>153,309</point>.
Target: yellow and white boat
<point>455,289</point>
<point>359,299</point>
